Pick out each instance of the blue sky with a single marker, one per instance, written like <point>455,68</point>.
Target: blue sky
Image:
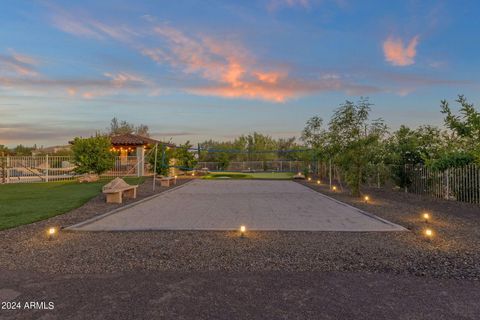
<point>195,70</point>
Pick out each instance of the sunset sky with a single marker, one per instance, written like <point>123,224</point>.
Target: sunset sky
<point>216,69</point>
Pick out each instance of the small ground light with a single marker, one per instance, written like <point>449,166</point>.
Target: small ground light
<point>242,230</point>
<point>428,233</point>
<point>426,217</point>
<point>309,179</point>
<point>51,233</point>
<point>366,198</point>
<point>334,188</point>
<point>318,181</point>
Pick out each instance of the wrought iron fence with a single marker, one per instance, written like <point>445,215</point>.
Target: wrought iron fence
<point>259,166</point>
<point>460,184</point>
<point>457,184</point>
<point>26,169</point>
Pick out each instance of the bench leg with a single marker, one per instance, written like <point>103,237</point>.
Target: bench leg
<point>165,183</point>
<point>114,197</point>
<point>132,193</point>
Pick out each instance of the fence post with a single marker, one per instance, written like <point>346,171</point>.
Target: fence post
<point>8,169</point>
<point>330,172</point>
<point>406,178</point>
<point>46,168</point>
<point>4,170</point>
<point>378,176</point>
<point>447,189</point>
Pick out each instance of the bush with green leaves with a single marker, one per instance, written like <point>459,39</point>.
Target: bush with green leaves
<point>92,155</point>
<point>184,157</point>
<point>164,154</point>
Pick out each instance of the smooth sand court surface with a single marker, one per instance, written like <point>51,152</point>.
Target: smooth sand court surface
<point>228,204</point>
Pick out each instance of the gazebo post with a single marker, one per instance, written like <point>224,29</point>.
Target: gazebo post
<point>140,161</point>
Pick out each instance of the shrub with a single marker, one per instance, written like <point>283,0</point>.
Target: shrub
<point>92,155</point>
<point>164,154</point>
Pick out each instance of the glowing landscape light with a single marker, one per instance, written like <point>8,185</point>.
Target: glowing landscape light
<point>366,198</point>
<point>334,188</point>
<point>318,181</point>
<point>309,179</point>
<point>429,233</point>
<point>426,217</point>
<point>51,232</point>
<point>243,229</point>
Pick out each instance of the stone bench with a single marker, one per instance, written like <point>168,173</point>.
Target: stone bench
<point>168,181</point>
<point>116,189</point>
<point>299,176</point>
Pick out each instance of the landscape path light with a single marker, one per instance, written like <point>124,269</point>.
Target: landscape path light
<point>243,229</point>
<point>366,198</point>
<point>51,233</point>
<point>426,217</point>
<point>428,233</point>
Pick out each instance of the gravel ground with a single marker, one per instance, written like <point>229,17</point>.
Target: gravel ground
<point>265,275</point>
<point>251,295</point>
<point>453,253</point>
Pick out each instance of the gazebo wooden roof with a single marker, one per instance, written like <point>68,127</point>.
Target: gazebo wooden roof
<point>130,139</point>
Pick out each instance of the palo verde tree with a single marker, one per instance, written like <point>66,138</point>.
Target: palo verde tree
<point>354,140</point>
<point>92,155</point>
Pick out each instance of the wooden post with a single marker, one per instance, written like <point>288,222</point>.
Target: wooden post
<point>140,161</point>
<point>155,167</point>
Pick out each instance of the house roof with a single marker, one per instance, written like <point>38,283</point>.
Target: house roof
<point>135,140</point>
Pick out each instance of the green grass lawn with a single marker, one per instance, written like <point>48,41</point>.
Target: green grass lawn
<point>23,203</point>
<point>255,175</point>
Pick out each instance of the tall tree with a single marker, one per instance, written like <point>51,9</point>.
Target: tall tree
<point>355,140</point>
<point>466,125</point>
<point>122,127</point>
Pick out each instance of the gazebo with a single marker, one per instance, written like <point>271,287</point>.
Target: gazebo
<point>129,144</point>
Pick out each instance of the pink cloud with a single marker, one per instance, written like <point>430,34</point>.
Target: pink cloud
<point>112,84</point>
<point>269,77</point>
<point>397,54</point>
<point>233,72</point>
<point>18,64</point>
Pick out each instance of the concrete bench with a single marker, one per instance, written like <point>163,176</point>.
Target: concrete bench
<point>299,176</point>
<point>168,181</point>
<point>116,189</point>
